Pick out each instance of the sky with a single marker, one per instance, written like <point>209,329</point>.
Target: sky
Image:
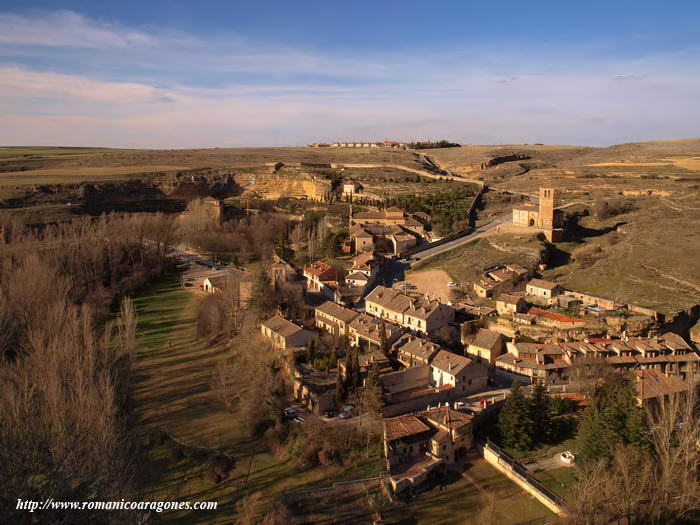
<point>228,73</point>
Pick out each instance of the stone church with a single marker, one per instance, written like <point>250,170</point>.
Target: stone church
<point>543,217</point>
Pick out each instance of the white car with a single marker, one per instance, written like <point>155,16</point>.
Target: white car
<point>567,457</point>
<point>452,284</point>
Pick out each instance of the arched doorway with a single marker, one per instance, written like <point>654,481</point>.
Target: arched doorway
<point>531,222</point>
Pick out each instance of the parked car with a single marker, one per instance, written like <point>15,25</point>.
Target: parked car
<point>567,456</point>
<point>289,413</point>
<point>460,405</point>
<point>189,284</point>
<point>452,284</point>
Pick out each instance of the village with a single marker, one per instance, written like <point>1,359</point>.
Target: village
<point>368,263</point>
<point>436,368</point>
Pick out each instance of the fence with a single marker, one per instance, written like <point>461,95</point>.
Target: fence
<point>518,473</point>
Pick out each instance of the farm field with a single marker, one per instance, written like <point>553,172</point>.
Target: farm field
<point>77,175</point>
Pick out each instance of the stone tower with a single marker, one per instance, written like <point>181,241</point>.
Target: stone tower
<point>546,215</point>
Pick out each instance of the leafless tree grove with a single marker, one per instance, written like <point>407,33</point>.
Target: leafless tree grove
<point>658,485</point>
<point>64,368</point>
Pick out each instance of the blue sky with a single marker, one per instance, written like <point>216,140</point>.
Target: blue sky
<point>226,73</point>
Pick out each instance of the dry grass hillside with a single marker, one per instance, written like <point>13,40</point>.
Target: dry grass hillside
<point>647,250</point>
<point>646,253</point>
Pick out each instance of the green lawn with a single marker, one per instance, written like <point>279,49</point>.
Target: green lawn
<point>561,480</point>
<point>463,502</point>
<point>171,390</point>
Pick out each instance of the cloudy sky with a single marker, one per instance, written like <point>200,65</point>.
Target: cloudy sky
<point>177,74</point>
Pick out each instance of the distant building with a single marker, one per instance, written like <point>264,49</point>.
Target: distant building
<point>352,188</point>
<point>653,387</point>
<point>237,281</point>
<point>412,351</point>
<point>322,278</point>
<point>555,320</point>
<point>463,374</point>
<point>500,279</point>
<point>316,389</point>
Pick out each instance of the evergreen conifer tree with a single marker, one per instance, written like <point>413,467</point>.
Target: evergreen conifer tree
<point>541,413</point>
<point>612,418</point>
<point>514,421</point>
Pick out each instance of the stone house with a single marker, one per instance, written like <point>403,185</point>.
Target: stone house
<point>365,331</point>
<point>551,363</point>
<point>487,346</point>
<point>334,318</point>
<point>352,188</point>
<point>508,304</point>
<point>418,315</point>
<point>546,290</point>
<point>284,334</point>
<point>412,351</point>
<point>358,279</point>
<point>315,389</point>
<point>417,444</point>
<point>463,374</point>
<point>322,278</point>
<point>240,281</point>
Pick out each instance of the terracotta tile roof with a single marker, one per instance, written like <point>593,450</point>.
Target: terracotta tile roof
<point>541,283</point>
<point>322,270</point>
<point>416,347</point>
<point>389,299</point>
<point>282,326</point>
<point>369,327</point>
<point>509,298</point>
<point>451,363</point>
<point>357,276</point>
<point>487,339</point>
<point>446,417</point>
<point>553,316</point>
<point>652,383</point>
<point>404,426</point>
<point>337,311</point>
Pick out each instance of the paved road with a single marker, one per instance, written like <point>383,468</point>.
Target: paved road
<point>464,239</point>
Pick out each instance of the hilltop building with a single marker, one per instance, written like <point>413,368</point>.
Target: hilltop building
<point>543,217</point>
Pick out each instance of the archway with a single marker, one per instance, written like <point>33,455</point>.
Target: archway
<point>531,223</point>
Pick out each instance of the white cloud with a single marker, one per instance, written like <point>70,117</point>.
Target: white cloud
<point>66,29</point>
<point>117,86</point>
